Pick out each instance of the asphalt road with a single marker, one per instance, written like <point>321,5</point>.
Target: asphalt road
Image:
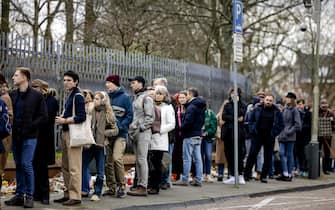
<point>306,200</point>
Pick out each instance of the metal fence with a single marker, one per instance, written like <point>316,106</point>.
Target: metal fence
<point>48,60</point>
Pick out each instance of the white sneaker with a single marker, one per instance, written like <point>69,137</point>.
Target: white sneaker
<point>231,180</point>
<point>241,179</point>
<point>209,179</point>
<point>95,198</point>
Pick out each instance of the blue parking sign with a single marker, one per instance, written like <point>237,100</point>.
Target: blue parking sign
<point>237,16</point>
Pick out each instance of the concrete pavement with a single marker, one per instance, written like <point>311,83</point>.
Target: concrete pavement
<point>179,196</point>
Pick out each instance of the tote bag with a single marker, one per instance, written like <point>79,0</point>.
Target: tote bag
<point>80,133</point>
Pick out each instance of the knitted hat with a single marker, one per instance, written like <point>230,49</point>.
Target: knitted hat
<point>114,78</point>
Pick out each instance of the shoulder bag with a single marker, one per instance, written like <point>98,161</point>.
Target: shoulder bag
<point>80,133</point>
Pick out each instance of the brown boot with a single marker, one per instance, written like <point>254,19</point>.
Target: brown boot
<point>140,191</point>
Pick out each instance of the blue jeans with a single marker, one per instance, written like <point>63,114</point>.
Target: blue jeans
<point>23,152</point>
<point>206,154</point>
<point>192,149</point>
<point>166,178</point>
<point>97,153</point>
<point>220,169</point>
<point>286,156</point>
<point>260,159</point>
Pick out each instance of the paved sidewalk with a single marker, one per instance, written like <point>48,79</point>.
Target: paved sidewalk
<point>185,196</point>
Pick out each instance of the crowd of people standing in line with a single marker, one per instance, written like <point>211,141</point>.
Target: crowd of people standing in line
<point>181,127</point>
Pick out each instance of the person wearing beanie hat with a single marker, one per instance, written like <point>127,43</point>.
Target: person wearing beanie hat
<point>114,78</point>
<point>123,110</point>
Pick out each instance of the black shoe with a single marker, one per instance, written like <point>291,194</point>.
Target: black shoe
<point>220,178</point>
<point>72,202</point>
<point>284,178</point>
<point>247,178</point>
<point>28,202</point>
<point>17,200</point>
<point>326,172</point>
<point>61,200</point>
<point>288,178</point>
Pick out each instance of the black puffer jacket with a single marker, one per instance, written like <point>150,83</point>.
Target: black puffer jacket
<point>32,113</point>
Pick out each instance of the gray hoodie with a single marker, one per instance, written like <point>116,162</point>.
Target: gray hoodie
<point>144,112</point>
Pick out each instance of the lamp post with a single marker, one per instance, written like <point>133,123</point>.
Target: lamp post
<point>313,147</point>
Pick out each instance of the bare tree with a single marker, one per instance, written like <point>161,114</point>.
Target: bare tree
<point>34,21</point>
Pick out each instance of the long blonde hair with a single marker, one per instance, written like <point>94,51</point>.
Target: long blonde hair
<point>110,116</point>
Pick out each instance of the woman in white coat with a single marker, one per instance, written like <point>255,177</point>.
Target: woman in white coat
<point>160,140</point>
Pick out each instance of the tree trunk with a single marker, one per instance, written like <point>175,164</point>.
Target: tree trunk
<point>69,21</point>
<point>90,19</point>
<point>4,30</point>
<point>4,16</point>
<point>35,24</point>
<point>47,33</point>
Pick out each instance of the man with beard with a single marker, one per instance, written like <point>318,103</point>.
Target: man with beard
<point>266,122</point>
<point>326,128</point>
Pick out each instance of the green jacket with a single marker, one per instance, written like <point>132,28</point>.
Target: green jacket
<point>210,124</point>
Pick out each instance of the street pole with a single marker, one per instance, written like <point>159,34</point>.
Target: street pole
<point>235,127</point>
<point>313,147</point>
<point>238,58</point>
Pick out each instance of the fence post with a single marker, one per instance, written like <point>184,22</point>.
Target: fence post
<point>150,68</point>
<point>185,75</point>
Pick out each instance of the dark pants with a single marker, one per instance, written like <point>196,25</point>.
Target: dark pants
<point>326,160</point>
<point>265,140</point>
<point>300,154</point>
<point>229,151</point>
<point>177,158</point>
<point>41,178</point>
<point>155,169</point>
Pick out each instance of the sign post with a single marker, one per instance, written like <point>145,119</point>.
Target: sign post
<point>238,58</point>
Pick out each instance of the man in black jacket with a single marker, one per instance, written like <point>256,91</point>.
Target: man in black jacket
<point>266,122</point>
<point>192,124</point>
<point>30,112</point>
